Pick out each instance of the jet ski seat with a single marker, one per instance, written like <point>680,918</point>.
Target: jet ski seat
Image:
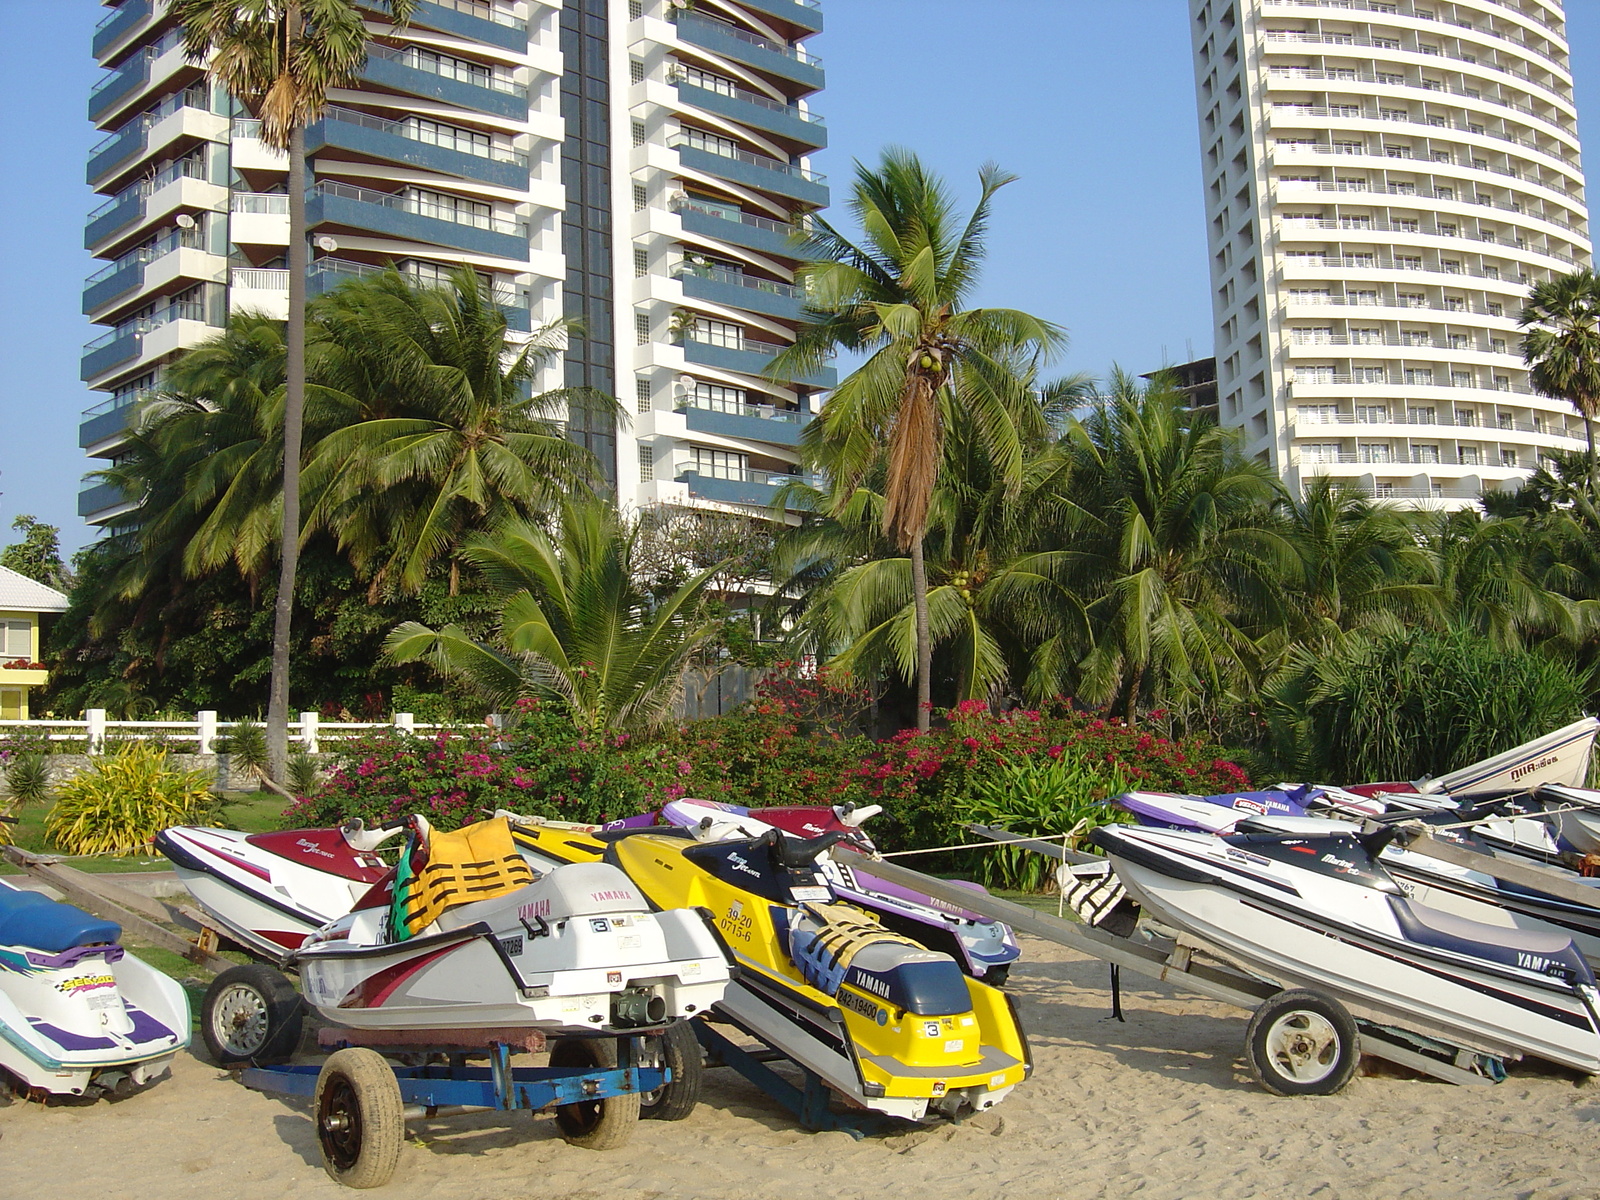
<point>1529,949</point>
<point>39,923</point>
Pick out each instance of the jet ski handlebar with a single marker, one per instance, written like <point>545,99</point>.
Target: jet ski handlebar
<point>358,837</point>
<point>802,852</point>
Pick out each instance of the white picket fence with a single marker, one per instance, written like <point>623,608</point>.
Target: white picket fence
<point>308,733</point>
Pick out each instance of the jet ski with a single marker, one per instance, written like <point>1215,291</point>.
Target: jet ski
<point>462,933</point>
<point>887,1023</point>
<point>1561,757</point>
<point>79,1016</point>
<point>271,891</point>
<point>984,948</point>
<point>1475,895</point>
<point>1320,912</point>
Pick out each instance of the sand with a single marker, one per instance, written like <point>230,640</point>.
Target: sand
<point>1159,1107</point>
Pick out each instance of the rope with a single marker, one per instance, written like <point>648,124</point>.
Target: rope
<point>1533,816</point>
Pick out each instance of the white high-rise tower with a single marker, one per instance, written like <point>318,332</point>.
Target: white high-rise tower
<point>1383,183</point>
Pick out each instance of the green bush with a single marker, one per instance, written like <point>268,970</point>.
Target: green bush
<point>124,800</point>
<point>302,771</point>
<point>246,747</point>
<point>27,775</point>
<point>1412,705</point>
<point>1053,798</point>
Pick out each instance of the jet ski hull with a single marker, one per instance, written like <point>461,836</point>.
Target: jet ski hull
<point>1252,915</point>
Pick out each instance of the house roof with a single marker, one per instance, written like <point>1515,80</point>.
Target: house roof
<point>18,593</point>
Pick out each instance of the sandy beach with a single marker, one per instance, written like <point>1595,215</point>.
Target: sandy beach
<point>1160,1107</point>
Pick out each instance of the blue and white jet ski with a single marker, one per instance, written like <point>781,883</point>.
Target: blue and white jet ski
<point>1321,912</point>
<point>78,1015</point>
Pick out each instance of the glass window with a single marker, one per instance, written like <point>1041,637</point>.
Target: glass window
<point>718,397</point>
<point>16,639</point>
<point>1374,452</point>
<point>719,464</point>
<point>718,333</point>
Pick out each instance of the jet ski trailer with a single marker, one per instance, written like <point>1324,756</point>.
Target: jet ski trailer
<point>1184,961</point>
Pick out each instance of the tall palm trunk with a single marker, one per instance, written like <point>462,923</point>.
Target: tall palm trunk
<point>1588,432</point>
<point>919,600</point>
<point>293,411</point>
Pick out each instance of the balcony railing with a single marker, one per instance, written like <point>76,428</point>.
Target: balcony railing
<point>769,478</point>
<point>411,57</point>
<point>1397,460</point>
<point>1423,123</point>
<point>274,204</point>
<point>444,140</point>
<point>723,27</point>
<point>1361,262</point>
<point>755,160</point>
<point>1384,302</point>
<point>484,11</point>
<point>1338,379</point>
<point>116,403</point>
<point>1354,232</point>
<point>739,279</point>
<point>1522,44</point>
<point>1318,75</point>
<point>1276,37</point>
<point>745,346</point>
<point>193,96</point>
<point>344,268</point>
<point>421,208</point>
<point>679,75</point>
<point>1425,344</point>
<point>765,412</point>
<point>1368,152</point>
<point>173,239</point>
<point>1426,194</point>
<point>750,219</point>
<point>259,279</point>
<point>1436,424</point>
<point>179,310</point>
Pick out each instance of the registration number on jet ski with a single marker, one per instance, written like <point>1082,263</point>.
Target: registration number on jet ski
<point>811,895</point>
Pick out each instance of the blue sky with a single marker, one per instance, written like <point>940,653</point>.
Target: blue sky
<point>1089,101</point>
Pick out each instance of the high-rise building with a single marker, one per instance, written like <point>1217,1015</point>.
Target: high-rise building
<point>636,164</point>
<point>1383,182</point>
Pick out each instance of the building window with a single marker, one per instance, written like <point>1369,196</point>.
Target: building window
<point>1320,452</point>
<point>16,639</point>
<point>713,143</point>
<point>1374,452</point>
<point>639,134</point>
<point>1467,456</point>
<point>449,137</point>
<point>719,398</point>
<point>641,197</point>
<point>444,206</point>
<point>1369,375</point>
<point>718,333</point>
<point>1466,418</point>
<point>641,262</point>
<point>707,81</point>
<point>1462,379</point>
<point>1508,458</point>
<point>1372,414</point>
<point>647,464</point>
<point>1425,454</point>
<point>1312,337</point>
<point>1494,308</point>
<point>1313,374</point>
<point>1420,376</point>
<point>1366,336</point>
<point>1502,383</point>
<point>463,70</point>
<point>1369,298</point>
<point>636,70</point>
<point>641,394</point>
<point>1317,414</point>
<point>1497,345</point>
<point>718,464</point>
<point>641,328</point>
<point>635,9</point>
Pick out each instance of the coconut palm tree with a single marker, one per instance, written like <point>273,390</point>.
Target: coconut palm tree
<point>575,625</point>
<point>897,294</point>
<point>280,58</point>
<point>1561,346</point>
<point>453,440</point>
<point>1173,549</point>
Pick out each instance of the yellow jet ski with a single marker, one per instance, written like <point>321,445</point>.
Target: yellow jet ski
<point>892,1026</point>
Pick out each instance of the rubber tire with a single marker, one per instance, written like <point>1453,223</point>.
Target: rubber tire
<point>594,1124</point>
<point>1284,1006</point>
<point>277,1003</point>
<point>357,1086</point>
<point>680,1053</point>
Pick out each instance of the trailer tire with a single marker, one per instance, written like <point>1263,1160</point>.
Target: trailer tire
<point>594,1124</point>
<point>251,1015</point>
<point>1302,1043</point>
<point>361,1122</point>
<point>680,1053</point>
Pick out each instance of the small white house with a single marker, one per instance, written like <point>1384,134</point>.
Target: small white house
<point>22,600</point>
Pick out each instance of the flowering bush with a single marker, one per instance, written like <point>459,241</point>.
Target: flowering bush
<point>792,744</point>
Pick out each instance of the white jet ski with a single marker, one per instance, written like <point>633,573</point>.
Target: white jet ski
<point>467,935</point>
<point>1320,912</point>
<point>78,1015</point>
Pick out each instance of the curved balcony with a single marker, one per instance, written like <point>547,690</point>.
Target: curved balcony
<point>757,112</point>
<point>736,290</point>
<point>480,20</point>
<point>753,232</point>
<point>400,216</point>
<point>752,422</point>
<point>803,14</point>
<point>756,171</point>
<point>400,142</point>
<point>777,59</point>
<point>754,489</point>
<point>117,24</point>
<point>412,72</point>
<point>750,358</point>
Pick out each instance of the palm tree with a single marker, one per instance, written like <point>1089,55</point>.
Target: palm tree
<point>1173,550</point>
<point>279,58</point>
<point>1561,346</point>
<point>453,440</point>
<point>897,295</point>
<point>575,625</point>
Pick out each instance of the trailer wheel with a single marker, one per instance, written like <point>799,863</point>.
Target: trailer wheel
<point>594,1124</point>
<point>679,1052</point>
<point>1302,1043</point>
<point>251,1014</point>
<point>361,1121</point>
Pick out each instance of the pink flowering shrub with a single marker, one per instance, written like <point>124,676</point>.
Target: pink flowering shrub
<point>793,744</point>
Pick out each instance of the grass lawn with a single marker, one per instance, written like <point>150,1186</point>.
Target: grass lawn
<point>253,812</point>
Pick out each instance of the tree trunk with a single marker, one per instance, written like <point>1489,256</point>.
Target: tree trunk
<point>293,414</point>
<point>919,601</point>
<point>1588,432</point>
